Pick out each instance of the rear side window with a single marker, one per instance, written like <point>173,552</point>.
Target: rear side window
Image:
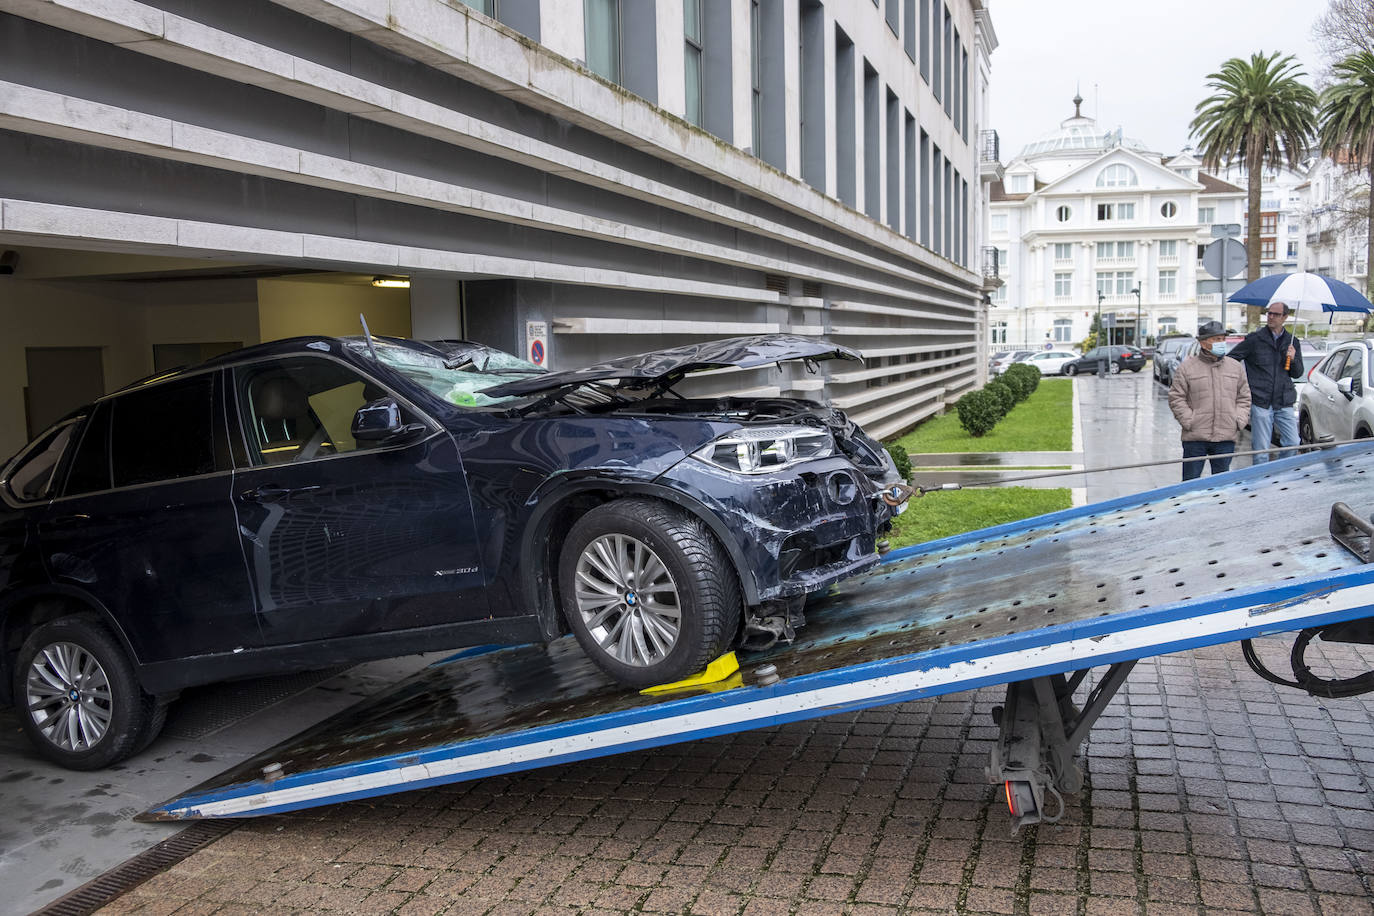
<point>163,432</point>
<point>1331,368</point>
<point>31,475</point>
<point>90,470</point>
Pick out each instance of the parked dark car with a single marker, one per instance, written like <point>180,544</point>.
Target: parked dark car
<point>1115,357</point>
<point>1168,354</point>
<point>319,501</point>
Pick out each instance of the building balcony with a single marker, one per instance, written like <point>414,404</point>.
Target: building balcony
<point>1120,299</point>
<point>1168,260</point>
<point>1166,297</point>
<point>1063,262</point>
<point>1115,262</point>
<point>989,156</point>
<point>1209,298</point>
<point>1063,299</point>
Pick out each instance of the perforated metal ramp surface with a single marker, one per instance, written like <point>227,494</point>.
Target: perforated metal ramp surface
<point>1216,560</point>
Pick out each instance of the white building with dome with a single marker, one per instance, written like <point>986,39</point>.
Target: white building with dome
<point>1087,220</point>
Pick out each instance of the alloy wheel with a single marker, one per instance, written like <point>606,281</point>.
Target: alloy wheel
<point>627,599</point>
<point>68,696</point>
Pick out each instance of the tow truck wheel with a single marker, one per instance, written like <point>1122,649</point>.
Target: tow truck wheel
<point>79,701</point>
<point>647,591</point>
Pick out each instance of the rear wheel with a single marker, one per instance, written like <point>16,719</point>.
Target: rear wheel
<point>1114,368</point>
<point>648,592</point>
<point>79,701</point>
<point>1070,369</point>
<point>1305,434</point>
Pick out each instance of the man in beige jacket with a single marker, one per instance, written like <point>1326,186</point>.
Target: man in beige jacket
<point>1210,398</point>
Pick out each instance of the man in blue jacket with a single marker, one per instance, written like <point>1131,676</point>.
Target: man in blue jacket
<point>1272,360</point>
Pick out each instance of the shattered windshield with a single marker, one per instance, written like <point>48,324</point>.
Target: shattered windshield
<point>454,370</point>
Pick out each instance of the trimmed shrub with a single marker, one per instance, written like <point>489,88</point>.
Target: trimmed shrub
<point>901,459</point>
<point>1016,381</point>
<point>1027,375</point>
<point>978,412</point>
<point>1004,395</point>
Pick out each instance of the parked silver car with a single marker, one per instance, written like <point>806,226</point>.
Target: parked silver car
<point>1337,403</point>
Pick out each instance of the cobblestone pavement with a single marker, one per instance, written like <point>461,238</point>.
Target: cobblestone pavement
<point>1207,790</point>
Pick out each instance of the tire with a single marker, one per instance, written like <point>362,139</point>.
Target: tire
<point>1070,369</point>
<point>609,553</point>
<point>78,699</point>
<point>1305,434</point>
<point>1114,368</point>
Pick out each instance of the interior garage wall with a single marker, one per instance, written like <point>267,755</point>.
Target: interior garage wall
<point>42,314</point>
<point>292,308</point>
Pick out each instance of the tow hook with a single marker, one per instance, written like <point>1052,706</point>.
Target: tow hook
<point>899,493</point>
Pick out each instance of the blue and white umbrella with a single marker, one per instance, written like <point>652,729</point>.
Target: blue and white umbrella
<point>1303,291</point>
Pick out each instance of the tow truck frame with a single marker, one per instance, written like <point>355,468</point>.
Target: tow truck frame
<point>1036,605</point>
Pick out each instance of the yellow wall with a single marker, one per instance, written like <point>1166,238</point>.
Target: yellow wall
<point>293,308</point>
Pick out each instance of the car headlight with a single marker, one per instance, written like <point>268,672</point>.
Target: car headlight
<point>766,449</point>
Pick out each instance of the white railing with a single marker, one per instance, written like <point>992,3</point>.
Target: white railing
<point>1166,297</point>
<point>1063,262</point>
<point>1115,262</point>
<point>1168,260</point>
<point>1209,298</point>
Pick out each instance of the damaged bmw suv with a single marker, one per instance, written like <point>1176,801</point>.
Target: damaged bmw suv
<point>318,501</point>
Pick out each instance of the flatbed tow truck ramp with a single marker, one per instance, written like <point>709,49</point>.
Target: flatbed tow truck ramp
<point>1035,605</point>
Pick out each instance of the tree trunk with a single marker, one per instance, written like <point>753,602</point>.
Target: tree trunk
<point>1253,167</point>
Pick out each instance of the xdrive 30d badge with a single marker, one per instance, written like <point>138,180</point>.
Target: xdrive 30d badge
<point>317,501</point>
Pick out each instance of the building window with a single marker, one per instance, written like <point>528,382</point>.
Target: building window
<point>1168,282</point>
<point>1063,330</point>
<point>1003,261</point>
<point>999,295</point>
<point>1269,223</point>
<point>998,333</point>
<point>1168,248</point>
<point>1292,249</point>
<point>603,37</point>
<point>1063,251</point>
<point>1266,249</point>
<point>1116,249</point>
<point>487,7</point>
<point>1063,214</point>
<point>1168,324</point>
<point>1117,176</point>
<point>999,222</point>
<point>1122,211</point>
<point>1115,282</point>
<point>1020,184</point>
<point>691,30</point>
<point>1206,215</point>
<point>1169,210</point>
<point>1063,285</point>
<point>756,76</point>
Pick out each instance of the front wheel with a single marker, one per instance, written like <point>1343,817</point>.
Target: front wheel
<point>79,701</point>
<point>648,592</point>
<point>1070,369</point>
<point>1305,434</point>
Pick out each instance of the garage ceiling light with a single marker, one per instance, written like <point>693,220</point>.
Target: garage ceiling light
<point>392,282</point>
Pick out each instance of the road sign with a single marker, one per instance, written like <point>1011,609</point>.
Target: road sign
<point>1225,258</point>
<point>1225,230</point>
<point>536,342</point>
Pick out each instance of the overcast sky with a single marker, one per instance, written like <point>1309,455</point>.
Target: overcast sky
<point>1141,65</point>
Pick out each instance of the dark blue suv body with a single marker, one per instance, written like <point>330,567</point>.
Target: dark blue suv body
<point>319,501</point>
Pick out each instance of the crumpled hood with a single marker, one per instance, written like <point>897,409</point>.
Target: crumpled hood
<point>667,367</point>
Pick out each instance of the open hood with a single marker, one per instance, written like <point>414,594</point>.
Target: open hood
<point>665,368</point>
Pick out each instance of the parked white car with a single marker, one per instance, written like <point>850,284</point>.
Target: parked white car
<point>1049,362</point>
<point>1337,403</point>
<point>1001,360</point>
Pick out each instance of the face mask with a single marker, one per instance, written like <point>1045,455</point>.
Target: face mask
<point>1220,348</point>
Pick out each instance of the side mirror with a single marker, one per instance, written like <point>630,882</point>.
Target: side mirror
<point>379,422</point>
<point>1346,386</point>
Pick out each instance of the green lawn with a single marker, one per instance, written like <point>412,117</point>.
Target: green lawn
<point>1041,423</point>
<point>949,512</point>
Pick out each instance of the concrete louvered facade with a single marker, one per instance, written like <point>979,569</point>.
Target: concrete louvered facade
<point>185,162</point>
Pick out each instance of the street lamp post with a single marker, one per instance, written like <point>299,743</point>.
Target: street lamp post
<point>1137,316</point>
<point>1101,331</point>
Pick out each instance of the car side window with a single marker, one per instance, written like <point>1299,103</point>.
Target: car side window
<point>301,408</point>
<point>1353,369</point>
<point>90,468</point>
<point>1331,368</point>
<point>163,432</point>
<point>30,477</point>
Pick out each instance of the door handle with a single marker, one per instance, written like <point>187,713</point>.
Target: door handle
<point>271,494</point>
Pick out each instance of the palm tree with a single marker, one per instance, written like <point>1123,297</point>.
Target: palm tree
<point>1260,116</point>
<point>1347,127</point>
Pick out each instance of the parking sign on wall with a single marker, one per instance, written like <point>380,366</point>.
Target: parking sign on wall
<point>536,342</point>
